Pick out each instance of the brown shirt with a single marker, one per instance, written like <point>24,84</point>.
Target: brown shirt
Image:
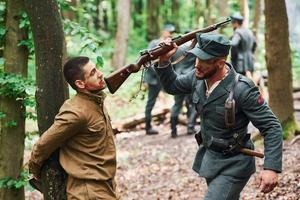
<point>83,132</point>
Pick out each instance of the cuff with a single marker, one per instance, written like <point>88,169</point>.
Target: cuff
<point>34,168</point>
<point>164,64</point>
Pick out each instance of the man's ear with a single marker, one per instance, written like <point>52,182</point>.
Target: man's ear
<point>80,84</point>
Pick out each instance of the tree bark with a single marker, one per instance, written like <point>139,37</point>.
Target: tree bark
<point>137,13</point>
<point>152,20</point>
<point>198,13</point>
<point>256,20</point>
<point>12,138</point>
<point>121,41</point>
<point>70,13</point>
<point>208,19</point>
<point>176,14</point>
<point>244,7</point>
<point>51,90</point>
<point>278,59</point>
<point>223,11</point>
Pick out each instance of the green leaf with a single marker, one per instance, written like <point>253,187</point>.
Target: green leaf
<point>100,62</point>
<point>2,115</point>
<point>11,124</point>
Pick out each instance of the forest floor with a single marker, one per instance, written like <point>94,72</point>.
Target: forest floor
<point>160,168</point>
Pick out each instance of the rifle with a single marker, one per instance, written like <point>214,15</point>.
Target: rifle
<point>117,78</point>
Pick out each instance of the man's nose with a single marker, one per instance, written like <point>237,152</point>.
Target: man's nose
<point>100,74</point>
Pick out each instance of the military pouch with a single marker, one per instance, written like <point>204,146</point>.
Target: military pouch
<point>218,144</point>
<point>198,138</point>
<point>230,106</point>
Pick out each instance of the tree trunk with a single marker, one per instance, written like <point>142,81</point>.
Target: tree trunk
<point>137,13</point>
<point>256,20</point>
<point>51,88</point>
<point>176,14</point>
<point>198,13</point>
<point>96,18</point>
<point>278,59</point>
<point>70,13</point>
<point>244,7</point>
<point>12,138</point>
<point>223,11</point>
<point>208,19</point>
<point>121,41</point>
<point>152,20</point>
<point>114,17</point>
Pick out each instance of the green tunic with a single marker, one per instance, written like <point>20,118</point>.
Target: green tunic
<point>249,107</point>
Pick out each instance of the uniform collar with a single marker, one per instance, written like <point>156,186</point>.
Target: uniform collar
<point>98,97</point>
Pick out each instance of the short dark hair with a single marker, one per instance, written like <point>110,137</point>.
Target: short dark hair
<point>73,70</point>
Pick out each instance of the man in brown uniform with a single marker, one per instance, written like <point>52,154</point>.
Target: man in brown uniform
<point>83,132</point>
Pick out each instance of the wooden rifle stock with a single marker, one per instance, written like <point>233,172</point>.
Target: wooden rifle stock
<point>117,78</point>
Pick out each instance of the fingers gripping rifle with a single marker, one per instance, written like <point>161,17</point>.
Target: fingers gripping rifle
<point>117,78</point>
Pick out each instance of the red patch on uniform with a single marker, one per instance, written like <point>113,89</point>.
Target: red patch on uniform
<point>260,99</point>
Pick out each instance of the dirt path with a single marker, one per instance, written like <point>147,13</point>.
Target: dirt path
<point>159,168</point>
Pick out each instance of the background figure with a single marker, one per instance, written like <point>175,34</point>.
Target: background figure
<point>183,67</point>
<point>243,46</point>
<point>152,81</point>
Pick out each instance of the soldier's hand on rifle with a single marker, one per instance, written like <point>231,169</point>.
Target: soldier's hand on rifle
<point>168,55</point>
<point>267,180</point>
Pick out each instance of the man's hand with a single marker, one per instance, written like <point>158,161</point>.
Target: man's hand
<point>167,56</point>
<point>267,180</point>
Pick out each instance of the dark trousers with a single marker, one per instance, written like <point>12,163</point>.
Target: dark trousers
<point>225,187</point>
<point>153,91</point>
<point>191,111</point>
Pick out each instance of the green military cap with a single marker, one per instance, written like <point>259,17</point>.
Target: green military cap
<point>211,45</point>
<point>237,17</point>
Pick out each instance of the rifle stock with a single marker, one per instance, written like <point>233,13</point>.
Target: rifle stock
<point>118,77</point>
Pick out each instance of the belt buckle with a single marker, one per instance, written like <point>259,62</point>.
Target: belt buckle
<point>228,150</point>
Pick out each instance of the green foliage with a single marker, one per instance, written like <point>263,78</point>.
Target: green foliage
<point>14,85</point>
<point>11,124</point>
<point>11,183</point>
<point>64,5</point>
<point>296,66</point>
<point>2,115</point>
<point>289,128</point>
<point>19,88</point>
<point>25,24</point>
<point>3,30</point>
<point>89,41</point>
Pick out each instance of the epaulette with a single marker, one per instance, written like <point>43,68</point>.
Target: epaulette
<point>246,80</point>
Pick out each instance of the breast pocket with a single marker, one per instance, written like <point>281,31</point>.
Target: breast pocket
<point>97,127</point>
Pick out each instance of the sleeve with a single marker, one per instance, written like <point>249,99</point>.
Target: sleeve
<point>66,124</point>
<point>259,113</point>
<point>172,82</point>
<point>235,39</point>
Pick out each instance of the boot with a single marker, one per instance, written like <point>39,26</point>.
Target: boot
<point>149,129</point>
<point>173,127</point>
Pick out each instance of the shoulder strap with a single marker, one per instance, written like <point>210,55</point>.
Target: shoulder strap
<point>230,105</point>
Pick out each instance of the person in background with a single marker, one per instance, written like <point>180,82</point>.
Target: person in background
<point>83,133</point>
<point>243,46</point>
<point>183,67</point>
<point>152,82</point>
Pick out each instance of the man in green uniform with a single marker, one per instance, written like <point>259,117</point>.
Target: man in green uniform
<point>83,132</point>
<point>243,46</point>
<point>183,67</point>
<point>214,84</point>
<point>152,81</point>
